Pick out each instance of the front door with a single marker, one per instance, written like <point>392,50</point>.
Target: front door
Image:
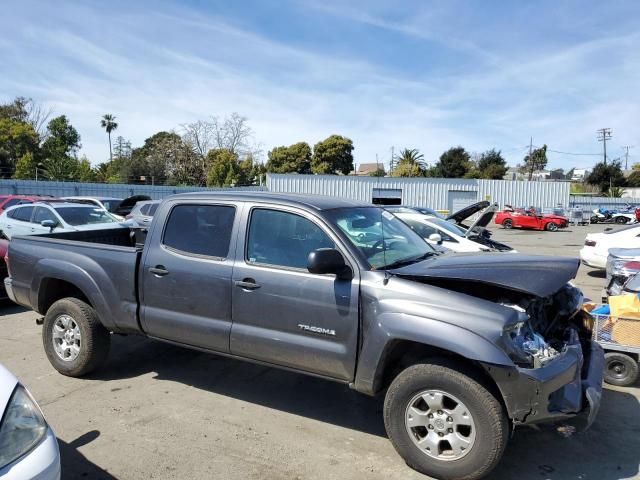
<point>186,275</point>
<point>284,315</point>
<point>41,214</point>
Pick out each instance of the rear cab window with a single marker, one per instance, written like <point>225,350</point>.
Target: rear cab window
<point>283,239</point>
<point>200,229</point>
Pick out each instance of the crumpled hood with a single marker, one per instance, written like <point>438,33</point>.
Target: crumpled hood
<point>533,274</point>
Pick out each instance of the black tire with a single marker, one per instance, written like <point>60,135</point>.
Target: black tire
<point>620,369</point>
<point>621,220</point>
<point>490,420</point>
<point>551,227</point>
<point>94,343</point>
<point>508,224</point>
<point>594,219</point>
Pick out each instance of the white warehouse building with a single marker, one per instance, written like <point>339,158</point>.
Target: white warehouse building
<point>446,194</point>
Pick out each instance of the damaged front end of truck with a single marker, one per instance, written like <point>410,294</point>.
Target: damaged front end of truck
<point>557,368</point>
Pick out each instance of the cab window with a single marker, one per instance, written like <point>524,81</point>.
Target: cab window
<point>200,229</point>
<point>283,238</point>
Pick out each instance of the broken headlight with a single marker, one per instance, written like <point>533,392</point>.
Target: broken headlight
<point>525,347</point>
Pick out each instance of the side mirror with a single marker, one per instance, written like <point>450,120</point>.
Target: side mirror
<point>328,260</point>
<point>435,238</point>
<point>49,224</point>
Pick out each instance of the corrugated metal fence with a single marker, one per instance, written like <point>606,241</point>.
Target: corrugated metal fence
<point>66,189</point>
<point>591,203</point>
<point>432,192</point>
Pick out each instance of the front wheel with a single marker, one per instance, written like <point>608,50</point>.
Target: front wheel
<point>74,340</point>
<point>594,219</point>
<point>444,423</point>
<point>508,224</point>
<point>551,227</point>
<point>620,369</point>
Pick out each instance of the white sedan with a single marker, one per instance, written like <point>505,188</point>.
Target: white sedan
<point>597,245</point>
<point>437,231</point>
<point>48,217</point>
<point>28,447</point>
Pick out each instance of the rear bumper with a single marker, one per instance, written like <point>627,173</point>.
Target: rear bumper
<point>568,387</point>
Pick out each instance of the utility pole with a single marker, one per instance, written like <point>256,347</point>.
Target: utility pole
<point>391,162</point>
<point>626,156</point>
<point>604,134</point>
<point>531,166</point>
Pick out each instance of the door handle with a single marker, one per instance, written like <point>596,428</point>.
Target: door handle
<point>247,284</point>
<point>159,271</point>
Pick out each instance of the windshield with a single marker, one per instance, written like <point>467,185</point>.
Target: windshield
<point>448,226</point>
<point>84,215</point>
<point>111,204</point>
<point>383,239</point>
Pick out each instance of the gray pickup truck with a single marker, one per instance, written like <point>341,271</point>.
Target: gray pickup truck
<point>463,346</point>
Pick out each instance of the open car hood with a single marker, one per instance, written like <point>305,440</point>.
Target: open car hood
<point>483,220</point>
<point>532,274</point>
<point>467,211</point>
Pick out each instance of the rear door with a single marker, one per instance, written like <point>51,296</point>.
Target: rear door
<point>20,223</point>
<point>186,274</point>
<point>284,315</point>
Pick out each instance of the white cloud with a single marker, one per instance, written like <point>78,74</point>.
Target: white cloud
<point>160,68</point>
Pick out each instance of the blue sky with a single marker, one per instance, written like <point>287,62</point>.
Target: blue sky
<point>415,74</point>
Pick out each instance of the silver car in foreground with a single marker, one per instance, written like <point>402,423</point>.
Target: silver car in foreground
<point>28,447</point>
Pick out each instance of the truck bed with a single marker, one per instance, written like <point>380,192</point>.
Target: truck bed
<point>101,263</point>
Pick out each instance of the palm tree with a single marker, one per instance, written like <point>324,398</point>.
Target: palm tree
<point>108,122</point>
<point>412,156</point>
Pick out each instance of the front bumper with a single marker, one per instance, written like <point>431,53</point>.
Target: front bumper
<point>9,289</point>
<point>569,386</point>
<point>590,258</point>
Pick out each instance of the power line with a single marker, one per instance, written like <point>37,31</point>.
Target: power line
<point>573,153</point>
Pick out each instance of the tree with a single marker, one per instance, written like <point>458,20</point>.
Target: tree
<point>108,122</point>
<point>63,139</point>
<point>60,169</point>
<point>614,192</point>
<point>410,163</point>
<point>605,176</point>
<point>454,163</point>
<point>295,158</point>
<point>633,180</point>
<point>26,110</point>
<point>333,155</point>
<point>491,165</point>
<point>223,168</point>
<point>17,139</point>
<point>25,167</point>
<point>84,172</point>
<point>535,162</point>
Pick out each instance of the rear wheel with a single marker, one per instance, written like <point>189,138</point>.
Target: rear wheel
<point>74,340</point>
<point>444,423</point>
<point>620,369</point>
<point>508,224</point>
<point>621,220</point>
<point>552,227</point>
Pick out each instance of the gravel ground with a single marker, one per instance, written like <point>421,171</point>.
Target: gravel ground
<point>158,411</point>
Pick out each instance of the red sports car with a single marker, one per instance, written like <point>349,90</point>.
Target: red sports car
<point>521,218</point>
